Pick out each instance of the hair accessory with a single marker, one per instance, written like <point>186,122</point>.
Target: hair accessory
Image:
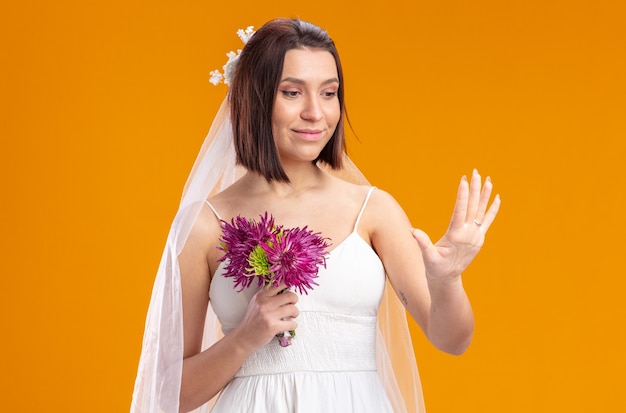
<point>233,58</point>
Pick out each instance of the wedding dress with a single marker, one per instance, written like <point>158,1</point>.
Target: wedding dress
<point>331,364</point>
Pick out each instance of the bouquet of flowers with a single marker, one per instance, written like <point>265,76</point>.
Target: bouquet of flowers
<point>272,254</point>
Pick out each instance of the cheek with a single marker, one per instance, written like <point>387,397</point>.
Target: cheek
<point>334,115</point>
<point>283,114</point>
<point>278,118</point>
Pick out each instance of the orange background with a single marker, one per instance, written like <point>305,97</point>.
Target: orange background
<point>104,105</point>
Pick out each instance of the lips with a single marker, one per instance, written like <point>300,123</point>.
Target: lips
<point>310,134</point>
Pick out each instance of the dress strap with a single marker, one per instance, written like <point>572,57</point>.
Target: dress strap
<point>358,218</point>
<point>213,209</point>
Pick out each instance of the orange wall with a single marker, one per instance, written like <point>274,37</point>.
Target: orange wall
<point>104,105</point>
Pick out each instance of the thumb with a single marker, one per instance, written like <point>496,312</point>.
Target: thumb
<point>273,289</point>
<point>423,240</point>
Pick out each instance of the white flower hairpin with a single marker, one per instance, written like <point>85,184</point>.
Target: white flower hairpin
<point>233,58</point>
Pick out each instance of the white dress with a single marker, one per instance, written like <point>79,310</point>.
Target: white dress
<point>331,363</point>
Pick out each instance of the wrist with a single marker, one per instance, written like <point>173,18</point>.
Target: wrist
<point>240,342</point>
<point>444,281</point>
<point>445,288</point>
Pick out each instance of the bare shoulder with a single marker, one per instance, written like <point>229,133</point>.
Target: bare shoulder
<point>384,214</point>
<point>347,189</point>
<point>226,203</point>
<point>347,198</point>
<point>203,236</point>
<point>227,195</point>
<point>382,204</point>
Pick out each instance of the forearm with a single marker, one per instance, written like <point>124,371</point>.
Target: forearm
<point>451,319</point>
<point>206,373</point>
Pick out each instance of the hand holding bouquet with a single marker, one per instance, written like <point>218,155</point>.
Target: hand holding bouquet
<point>272,255</point>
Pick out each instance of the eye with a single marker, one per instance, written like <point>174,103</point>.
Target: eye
<point>329,94</point>
<point>290,93</point>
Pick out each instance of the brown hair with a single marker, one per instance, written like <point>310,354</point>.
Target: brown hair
<point>253,89</point>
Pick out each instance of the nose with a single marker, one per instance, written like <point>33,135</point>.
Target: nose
<point>312,109</point>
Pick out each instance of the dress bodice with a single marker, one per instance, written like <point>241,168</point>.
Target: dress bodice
<point>352,283</point>
<point>337,320</point>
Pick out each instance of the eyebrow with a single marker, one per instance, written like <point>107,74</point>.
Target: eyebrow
<point>302,82</point>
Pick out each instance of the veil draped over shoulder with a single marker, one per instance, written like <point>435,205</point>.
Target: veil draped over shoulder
<point>157,385</point>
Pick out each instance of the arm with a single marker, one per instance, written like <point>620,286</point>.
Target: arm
<point>427,277</point>
<point>205,373</point>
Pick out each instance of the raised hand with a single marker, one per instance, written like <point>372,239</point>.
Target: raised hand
<point>471,219</point>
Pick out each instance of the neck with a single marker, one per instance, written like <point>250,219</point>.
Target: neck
<point>302,176</point>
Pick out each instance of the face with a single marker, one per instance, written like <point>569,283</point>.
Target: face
<point>306,108</point>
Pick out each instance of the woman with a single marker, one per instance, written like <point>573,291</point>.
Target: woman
<point>287,111</point>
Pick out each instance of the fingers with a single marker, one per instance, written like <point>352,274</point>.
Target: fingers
<point>277,305</point>
<point>269,312</point>
<point>273,290</point>
<point>474,199</point>
<point>275,297</point>
<point>483,215</point>
<point>460,207</point>
<point>429,252</point>
<point>423,240</point>
<point>485,195</point>
<point>491,213</point>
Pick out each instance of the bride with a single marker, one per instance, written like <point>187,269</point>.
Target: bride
<point>277,146</point>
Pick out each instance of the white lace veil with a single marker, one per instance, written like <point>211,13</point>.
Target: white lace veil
<point>157,386</point>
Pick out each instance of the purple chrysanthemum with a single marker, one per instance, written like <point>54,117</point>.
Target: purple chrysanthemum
<point>295,255</point>
<point>239,238</point>
<point>271,254</point>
